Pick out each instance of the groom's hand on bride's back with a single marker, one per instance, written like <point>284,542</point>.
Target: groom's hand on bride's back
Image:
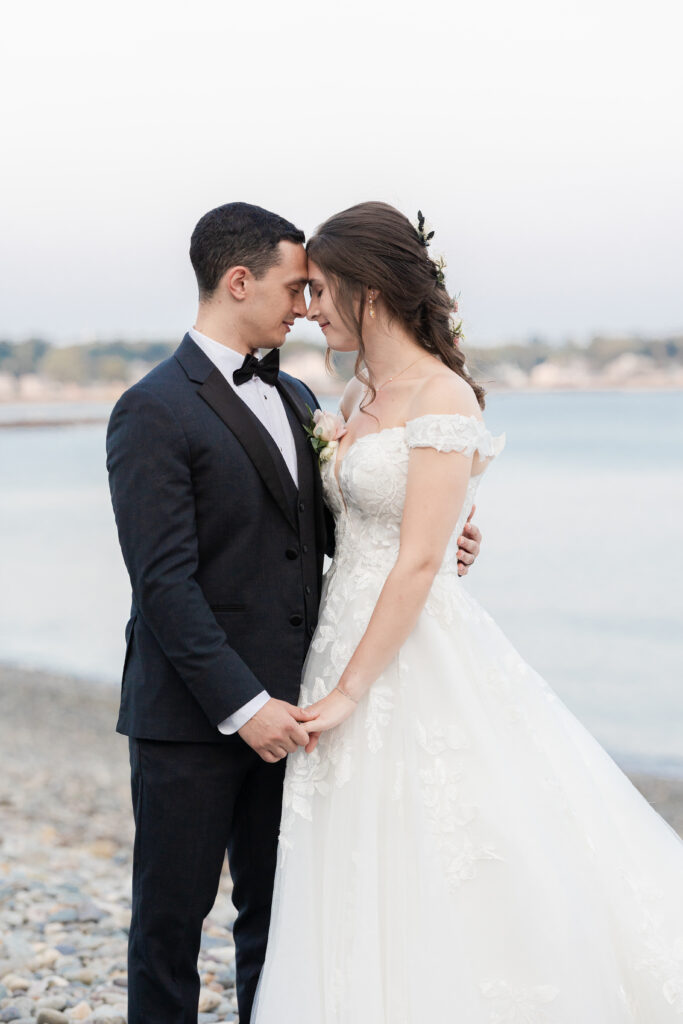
<point>469,543</point>
<point>275,730</point>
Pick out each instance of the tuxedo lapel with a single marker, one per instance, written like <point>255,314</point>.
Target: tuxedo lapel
<point>292,397</point>
<point>218,394</point>
<point>299,415</point>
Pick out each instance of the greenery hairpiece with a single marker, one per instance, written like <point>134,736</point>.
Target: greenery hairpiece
<point>440,264</point>
<point>425,237</point>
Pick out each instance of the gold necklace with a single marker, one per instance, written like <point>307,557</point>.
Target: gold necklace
<point>405,368</point>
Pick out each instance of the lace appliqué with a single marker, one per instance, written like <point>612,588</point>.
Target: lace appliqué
<point>450,814</point>
<point>453,433</point>
<point>519,1005</point>
<point>663,959</point>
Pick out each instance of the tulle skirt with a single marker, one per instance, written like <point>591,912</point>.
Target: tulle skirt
<point>461,849</point>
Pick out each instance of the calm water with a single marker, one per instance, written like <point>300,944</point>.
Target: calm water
<point>582,563</point>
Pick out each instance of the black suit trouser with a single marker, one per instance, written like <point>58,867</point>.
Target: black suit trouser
<point>191,803</point>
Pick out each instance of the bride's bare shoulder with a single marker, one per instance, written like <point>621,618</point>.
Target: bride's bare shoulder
<point>353,392</point>
<point>444,392</point>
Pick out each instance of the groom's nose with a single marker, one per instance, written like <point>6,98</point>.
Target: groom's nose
<point>300,307</point>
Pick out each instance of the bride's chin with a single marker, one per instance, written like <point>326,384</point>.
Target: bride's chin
<point>342,346</point>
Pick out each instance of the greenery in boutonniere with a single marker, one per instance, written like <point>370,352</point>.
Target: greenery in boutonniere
<point>324,430</point>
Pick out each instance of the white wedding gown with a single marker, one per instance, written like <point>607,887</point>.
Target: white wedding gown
<point>460,850</point>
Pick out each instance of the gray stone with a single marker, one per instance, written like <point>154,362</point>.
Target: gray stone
<point>226,976</point>
<point>10,1012</point>
<point>48,1016</point>
<point>90,912</point>
<point>64,916</point>
<point>22,1005</point>
<point>16,945</point>
<point>109,1014</point>
<point>54,1002</point>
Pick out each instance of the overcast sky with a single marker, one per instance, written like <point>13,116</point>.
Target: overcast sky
<point>543,140</point>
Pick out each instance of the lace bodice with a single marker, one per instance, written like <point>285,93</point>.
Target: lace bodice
<point>366,492</point>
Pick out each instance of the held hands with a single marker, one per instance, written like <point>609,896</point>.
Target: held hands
<point>330,712</point>
<point>469,544</point>
<point>278,729</point>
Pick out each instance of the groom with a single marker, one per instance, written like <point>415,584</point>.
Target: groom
<point>218,505</point>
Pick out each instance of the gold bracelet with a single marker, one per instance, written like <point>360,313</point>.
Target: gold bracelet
<point>346,694</point>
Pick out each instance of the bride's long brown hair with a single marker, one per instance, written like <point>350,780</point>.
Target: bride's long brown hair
<point>373,245</point>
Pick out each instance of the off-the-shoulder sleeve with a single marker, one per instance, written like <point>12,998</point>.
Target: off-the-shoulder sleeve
<point>453,433</point>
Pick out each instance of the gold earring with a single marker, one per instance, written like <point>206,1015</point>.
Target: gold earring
<point>372,306</point>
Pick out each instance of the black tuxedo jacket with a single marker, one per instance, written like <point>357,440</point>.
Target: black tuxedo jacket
<point>224,553</point>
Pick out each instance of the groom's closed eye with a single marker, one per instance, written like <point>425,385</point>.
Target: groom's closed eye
<point>297,288</point>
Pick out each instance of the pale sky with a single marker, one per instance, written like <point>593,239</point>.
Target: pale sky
<point>543,141</point>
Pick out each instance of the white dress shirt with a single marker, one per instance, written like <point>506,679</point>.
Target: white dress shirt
<point>265,402</point>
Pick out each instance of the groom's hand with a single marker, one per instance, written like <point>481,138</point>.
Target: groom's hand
<point>469,543</point>
<point>274,731</point>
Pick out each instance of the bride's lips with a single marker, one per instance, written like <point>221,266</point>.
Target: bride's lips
<point>324,326</point>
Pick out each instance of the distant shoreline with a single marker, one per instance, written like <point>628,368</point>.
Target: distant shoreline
<point>85,421</point>
<point>49,421</point>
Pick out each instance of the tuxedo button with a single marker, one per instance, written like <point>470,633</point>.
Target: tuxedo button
<point>302,507</point>
<point>311,630</point>
<point>292,553</point>
<point>296,620</point>
<point>308,589</point>
<point>304,548</point>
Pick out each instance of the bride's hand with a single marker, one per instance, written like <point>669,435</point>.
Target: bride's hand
<point>332,710</point>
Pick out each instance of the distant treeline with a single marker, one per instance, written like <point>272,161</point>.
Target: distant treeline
<point>597,354</point>
<point>123,360</point>
<point>80,364</point>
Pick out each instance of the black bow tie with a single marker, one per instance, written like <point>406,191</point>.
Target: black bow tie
<point>267,368</point>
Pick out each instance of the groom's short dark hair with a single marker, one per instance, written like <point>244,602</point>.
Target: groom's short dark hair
<point>237,234</point>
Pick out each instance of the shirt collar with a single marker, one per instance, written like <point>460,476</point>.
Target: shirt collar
<point>226,359</point>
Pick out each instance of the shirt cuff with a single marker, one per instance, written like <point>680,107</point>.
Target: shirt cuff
<point>235,721</point>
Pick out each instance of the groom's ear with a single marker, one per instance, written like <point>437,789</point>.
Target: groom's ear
<point>235,282</point>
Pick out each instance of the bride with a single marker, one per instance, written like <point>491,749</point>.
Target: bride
<point>454,846</point>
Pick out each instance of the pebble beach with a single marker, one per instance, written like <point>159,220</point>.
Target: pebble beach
<point>65,861</point>
<point>66,852</point>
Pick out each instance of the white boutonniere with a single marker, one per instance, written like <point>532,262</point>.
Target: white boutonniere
<point>324,430</point>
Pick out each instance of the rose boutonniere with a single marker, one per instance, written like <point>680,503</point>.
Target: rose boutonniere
<point>324,430</point>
